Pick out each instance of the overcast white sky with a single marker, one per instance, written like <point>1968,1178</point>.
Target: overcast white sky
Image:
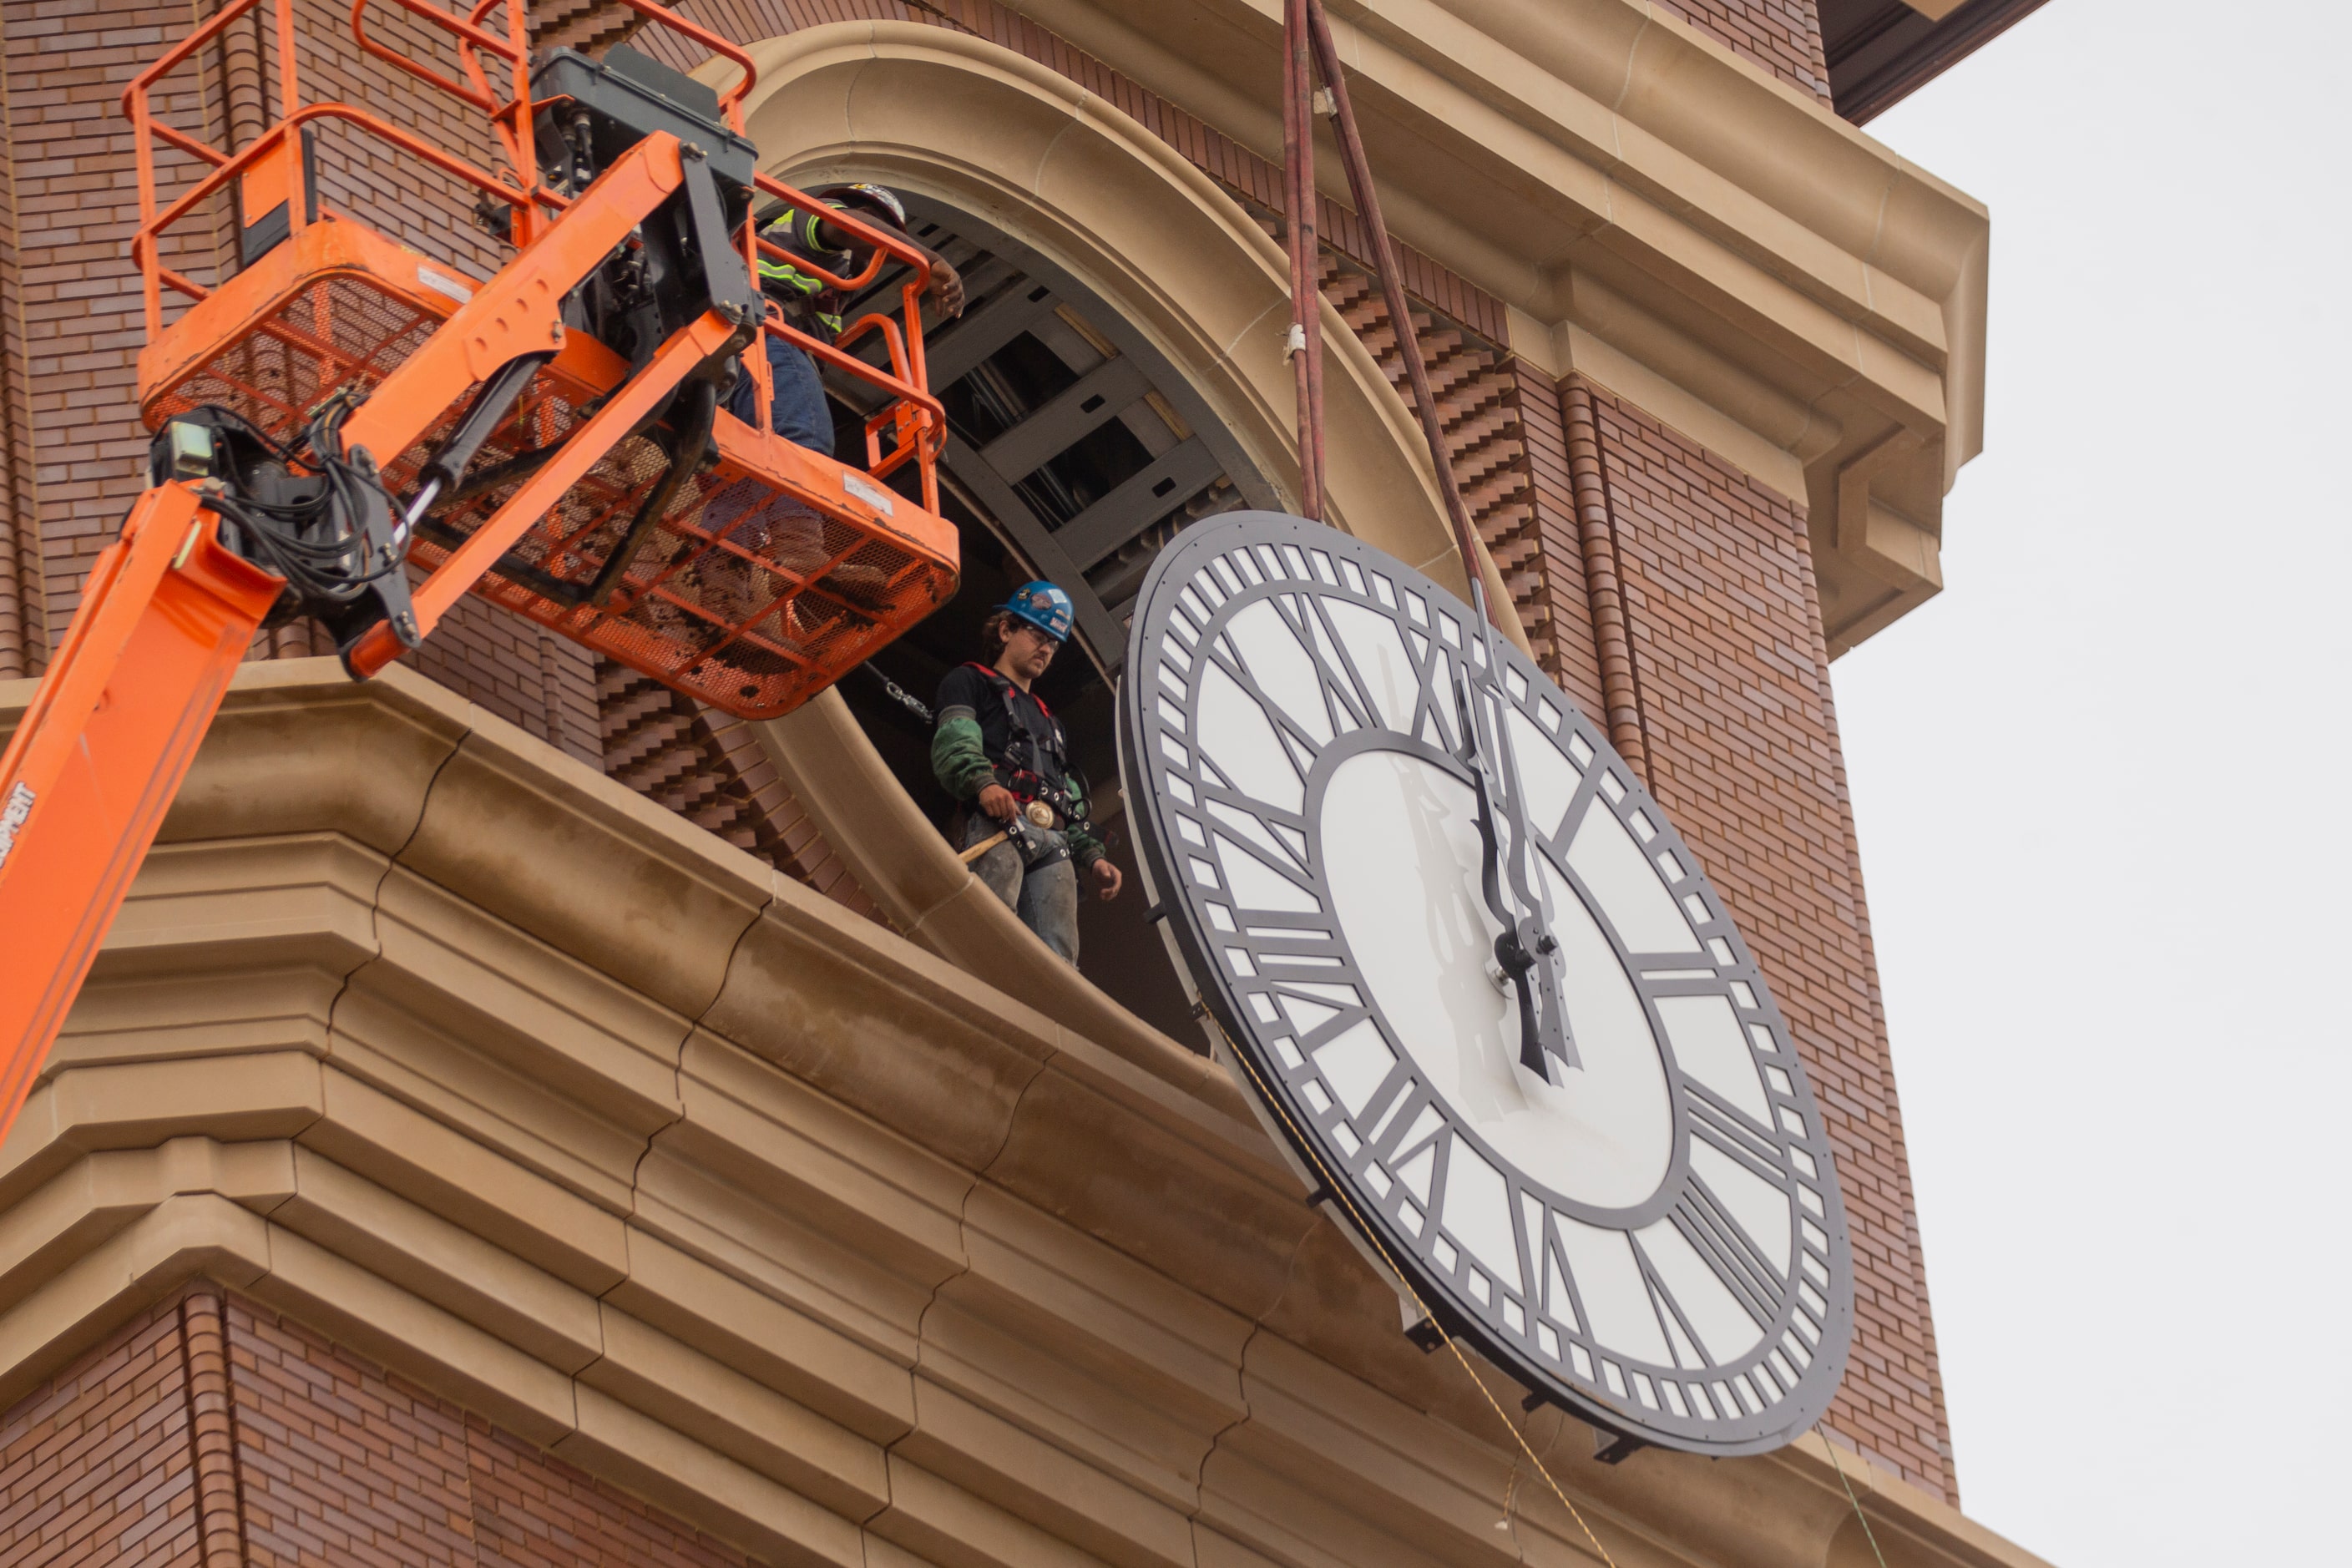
<point>2100,785</point>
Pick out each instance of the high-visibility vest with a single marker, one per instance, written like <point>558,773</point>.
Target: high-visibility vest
<point>796,230</point>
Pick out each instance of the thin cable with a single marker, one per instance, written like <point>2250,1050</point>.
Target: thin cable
<point>1331,1184</point>
<point>309,542</point>
<point>1867,1533</point>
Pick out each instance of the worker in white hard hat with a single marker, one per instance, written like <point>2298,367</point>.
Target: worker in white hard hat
<point>798,413</point>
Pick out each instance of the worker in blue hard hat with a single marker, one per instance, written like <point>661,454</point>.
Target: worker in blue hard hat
<point>799,411</point>
<point>999,749</point>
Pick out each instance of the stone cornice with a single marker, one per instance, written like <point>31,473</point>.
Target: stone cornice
<point>1662,215</point>
<point>1526,127</point>
<point>420,1031</point>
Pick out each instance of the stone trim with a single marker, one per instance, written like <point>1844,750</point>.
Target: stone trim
<point>708,767</point>
<point>765,1216</point>
<point>1243,173</point>
<point>1235,167</point>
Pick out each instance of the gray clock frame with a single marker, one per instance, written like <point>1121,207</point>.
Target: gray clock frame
<point>1256,556</point>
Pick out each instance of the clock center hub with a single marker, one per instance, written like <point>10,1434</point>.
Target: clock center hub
<point>1399,843</point>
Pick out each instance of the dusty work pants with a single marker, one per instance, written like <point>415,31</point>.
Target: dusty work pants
<point>800,413</point>
<point>1046,899</point>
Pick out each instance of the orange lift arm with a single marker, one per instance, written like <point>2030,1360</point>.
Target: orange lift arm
<point>165,618</point>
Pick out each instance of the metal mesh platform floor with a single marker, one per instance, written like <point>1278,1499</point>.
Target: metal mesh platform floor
<point>772,572</point>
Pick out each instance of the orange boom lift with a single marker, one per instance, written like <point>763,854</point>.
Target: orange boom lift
<point>343,416</point>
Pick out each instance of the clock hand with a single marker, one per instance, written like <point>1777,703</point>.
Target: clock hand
<point>1546,989</point>
<point>1525,948</point>
<point>1484,786</point>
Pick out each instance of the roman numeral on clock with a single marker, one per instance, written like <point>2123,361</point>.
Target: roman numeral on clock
<point>1734,1259</point>
<point>1347,704</point>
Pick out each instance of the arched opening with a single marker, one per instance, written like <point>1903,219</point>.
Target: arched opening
<point>1145,249</point>
<point>1076,453</point>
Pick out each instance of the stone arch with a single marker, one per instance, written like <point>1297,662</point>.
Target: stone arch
<point>994,133</point>
<point>973,125</point>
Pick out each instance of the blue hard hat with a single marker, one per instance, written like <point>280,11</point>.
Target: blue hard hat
<point>1044,607</point>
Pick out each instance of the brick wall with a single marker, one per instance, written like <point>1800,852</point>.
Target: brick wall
<point>72,207</point>
<point>1784,36</point>
<point>24,617</point>
<point>96,1466</point>
<point>1736,716</point>
<point>322,1458</point>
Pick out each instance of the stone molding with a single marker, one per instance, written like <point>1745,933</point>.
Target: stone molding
<point>430,1036</point>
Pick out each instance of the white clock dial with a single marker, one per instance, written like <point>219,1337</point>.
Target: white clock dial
<point>1643,1224</point>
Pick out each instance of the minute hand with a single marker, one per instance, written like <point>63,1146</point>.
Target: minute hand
<point>1525,948</point>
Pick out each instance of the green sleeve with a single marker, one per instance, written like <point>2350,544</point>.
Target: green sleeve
<point>957,760</point>
<point>1086,848</point>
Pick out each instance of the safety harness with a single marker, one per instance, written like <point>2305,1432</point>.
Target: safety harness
<point>1036,764</point>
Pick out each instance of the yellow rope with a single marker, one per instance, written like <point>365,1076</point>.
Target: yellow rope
<point>1331,1184</point>
<point>1867,1533</point>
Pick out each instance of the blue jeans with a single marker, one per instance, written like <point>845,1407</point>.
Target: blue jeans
<point>801,414</point>
<point>1046,899</point>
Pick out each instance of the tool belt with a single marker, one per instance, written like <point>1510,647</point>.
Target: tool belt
<point>1036,844</point>
<point>1034,747</point>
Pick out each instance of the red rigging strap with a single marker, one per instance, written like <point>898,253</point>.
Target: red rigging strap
<point>1368,209</point>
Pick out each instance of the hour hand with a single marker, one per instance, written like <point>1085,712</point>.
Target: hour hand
<point>1527,952</point>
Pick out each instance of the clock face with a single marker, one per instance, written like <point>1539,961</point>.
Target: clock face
<point>1638,1219</point>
